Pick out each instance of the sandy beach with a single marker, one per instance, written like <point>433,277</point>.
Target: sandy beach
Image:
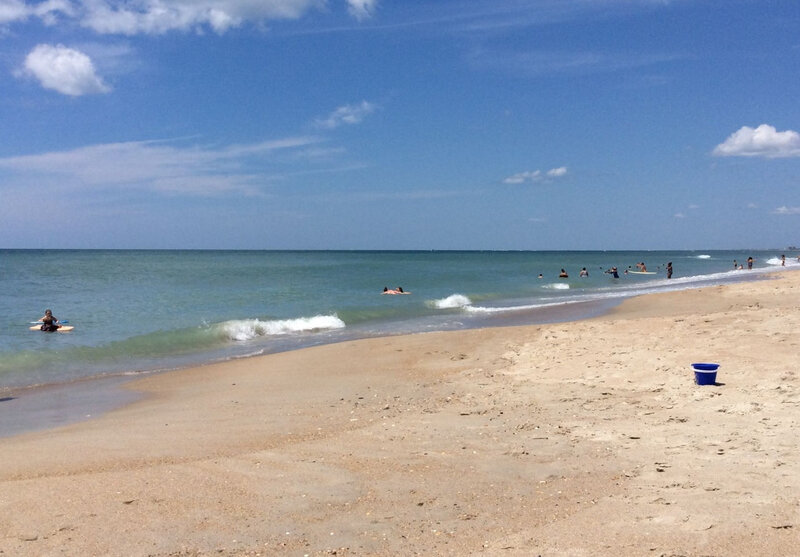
<point>581,438</point>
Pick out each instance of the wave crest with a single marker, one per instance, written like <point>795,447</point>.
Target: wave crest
<point>250,328</point>
<point>452,302</point>
<point>778,262</point>
<point>556,286</point>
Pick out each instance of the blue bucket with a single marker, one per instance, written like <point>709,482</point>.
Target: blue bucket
<point>705,374</point>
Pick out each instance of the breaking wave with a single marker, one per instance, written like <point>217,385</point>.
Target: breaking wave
<point>453,301</point>
<point>248,329</point>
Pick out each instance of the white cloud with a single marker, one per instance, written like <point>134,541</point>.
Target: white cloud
<point>348,114</point>
<point>12,10</point>
<point>763,141</point>
<point>535,175</point>
<point>65,70</point>
<point>521,177</point>
<point>787,210</point>
<point>162,16</point>
<point>361,9</point>
<point>155,166</point>
<point>679,216</point>
<point>47,11</point>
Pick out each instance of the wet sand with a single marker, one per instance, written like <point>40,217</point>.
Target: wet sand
<point>581,438</point>
<point>41,407</point>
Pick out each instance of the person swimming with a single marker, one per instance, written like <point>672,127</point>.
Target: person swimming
<point>398,290</point>
<point>563,274</point>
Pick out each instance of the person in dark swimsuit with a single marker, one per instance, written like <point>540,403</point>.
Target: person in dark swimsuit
<point>49,322</point>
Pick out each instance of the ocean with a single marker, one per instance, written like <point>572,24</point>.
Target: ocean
<point>137,312</point>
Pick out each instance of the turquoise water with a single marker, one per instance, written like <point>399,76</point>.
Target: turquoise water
<point>137,311</point>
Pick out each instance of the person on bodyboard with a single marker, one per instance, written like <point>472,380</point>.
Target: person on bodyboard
<point>49,322</point>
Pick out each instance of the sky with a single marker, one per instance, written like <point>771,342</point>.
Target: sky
<point>400,124</point>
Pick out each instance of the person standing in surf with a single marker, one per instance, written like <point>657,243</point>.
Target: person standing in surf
<point>669,270</point>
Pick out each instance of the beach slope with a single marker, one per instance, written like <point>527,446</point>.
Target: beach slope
<point>582,438</point>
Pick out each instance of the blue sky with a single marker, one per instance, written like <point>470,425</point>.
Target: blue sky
<point>388,124</point>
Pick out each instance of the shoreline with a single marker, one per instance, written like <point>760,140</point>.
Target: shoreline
<point>583,437</point>
<point>28,409</point>
<point>44,407</point>
<point>28,413</point>
<point>450,293</point>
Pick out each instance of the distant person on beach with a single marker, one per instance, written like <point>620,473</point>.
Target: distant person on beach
<point>613,272</point>
<point>750,263</point>
<point>735,264</point>
<point>49,322</point>
<point>669,270</point>
<point>783,261</point>
<point>563,274</point>
<point>584,272</point>
<point>541,275</point>
<point>642,267</point>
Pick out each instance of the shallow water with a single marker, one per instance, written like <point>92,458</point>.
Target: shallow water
<point>135,311</point>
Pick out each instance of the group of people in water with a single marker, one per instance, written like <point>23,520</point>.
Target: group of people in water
<point>564,274</point>
<point>739,266</point>
<point>642,268</point>
<point>614,272</point>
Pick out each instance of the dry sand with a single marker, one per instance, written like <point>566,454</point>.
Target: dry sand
<point>584,438</point>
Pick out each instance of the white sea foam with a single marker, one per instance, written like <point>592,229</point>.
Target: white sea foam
<point>790,261</point>
<point>247,329</point>
<point>247,355</point>
<point>556,286</point>
<point>703,256</point>
<point>451,302</point>
<point>523,307</point>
